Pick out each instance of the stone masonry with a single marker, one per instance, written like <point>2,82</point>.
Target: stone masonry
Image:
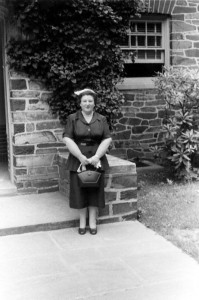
<point>139,126</point>
<point>185,34</point>
<point>37,136</point>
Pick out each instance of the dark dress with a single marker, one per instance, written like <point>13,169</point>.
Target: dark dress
<point>88,137</point>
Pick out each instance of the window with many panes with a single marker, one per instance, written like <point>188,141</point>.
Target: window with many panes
<point>149,40</point>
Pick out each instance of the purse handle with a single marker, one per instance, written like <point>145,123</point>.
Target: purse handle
<point>83,168</point>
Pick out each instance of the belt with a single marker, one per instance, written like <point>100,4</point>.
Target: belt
<point>87,143</point>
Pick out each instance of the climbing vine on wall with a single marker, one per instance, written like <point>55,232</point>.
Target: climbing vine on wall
<point>73,44</point>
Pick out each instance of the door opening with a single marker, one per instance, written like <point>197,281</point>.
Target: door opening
<point>3,136</point>
<point>4,176</point>
<point>7,188</point>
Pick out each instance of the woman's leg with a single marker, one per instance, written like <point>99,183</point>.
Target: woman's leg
<point>82,217</point>
<point>92,216</point>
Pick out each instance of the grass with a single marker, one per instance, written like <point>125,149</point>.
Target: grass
<point>170,209</point>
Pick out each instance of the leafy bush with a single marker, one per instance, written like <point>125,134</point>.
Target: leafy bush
<point>71,45</point>
<point>180,89</point>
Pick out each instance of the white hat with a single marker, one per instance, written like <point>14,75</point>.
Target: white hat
<point>84,91</point>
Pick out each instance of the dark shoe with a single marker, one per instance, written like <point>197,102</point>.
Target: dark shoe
<point>82,231</point>
<point>93,231</point>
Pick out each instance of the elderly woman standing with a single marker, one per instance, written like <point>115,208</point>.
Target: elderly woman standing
<point>87,137</point>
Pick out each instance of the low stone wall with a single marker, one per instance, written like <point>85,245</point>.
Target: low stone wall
<point>120,189</point>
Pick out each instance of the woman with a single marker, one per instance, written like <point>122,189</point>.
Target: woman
<point>87,137</point>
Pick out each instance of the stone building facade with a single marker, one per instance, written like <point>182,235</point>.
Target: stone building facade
<point>35,136</point>
<point>140,124</point>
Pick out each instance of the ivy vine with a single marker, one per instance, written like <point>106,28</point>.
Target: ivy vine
<point>71,45</point>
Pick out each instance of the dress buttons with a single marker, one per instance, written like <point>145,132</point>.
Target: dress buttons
<point>89,129</point>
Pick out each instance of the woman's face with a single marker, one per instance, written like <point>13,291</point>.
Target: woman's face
<point>87,104</point>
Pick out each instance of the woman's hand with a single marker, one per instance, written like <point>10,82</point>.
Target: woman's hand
<point>83,160</point>
<point>94,160</point>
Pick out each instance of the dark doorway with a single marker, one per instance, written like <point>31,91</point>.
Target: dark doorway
<point>6,187</point>
<point>3,136</point>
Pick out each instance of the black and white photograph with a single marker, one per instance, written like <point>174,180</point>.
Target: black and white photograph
<point>99,149</point>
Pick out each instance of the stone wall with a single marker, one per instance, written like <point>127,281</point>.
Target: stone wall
<point>120,189</point>
<point>140,124</point>
<point>185,34</point>
<point>37,136</point>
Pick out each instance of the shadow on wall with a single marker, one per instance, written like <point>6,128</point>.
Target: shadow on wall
<point>146,165</point>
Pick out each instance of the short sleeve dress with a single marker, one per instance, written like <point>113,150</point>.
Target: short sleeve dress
<point>88,137</point>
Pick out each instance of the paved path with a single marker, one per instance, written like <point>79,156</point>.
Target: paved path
<point>35,212</point>
<point>124,261</point>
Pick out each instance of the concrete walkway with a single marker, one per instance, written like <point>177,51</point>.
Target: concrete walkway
<point>124,261</point>
<point>35,212</point>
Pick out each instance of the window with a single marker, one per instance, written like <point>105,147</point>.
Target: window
<point>149,40</point>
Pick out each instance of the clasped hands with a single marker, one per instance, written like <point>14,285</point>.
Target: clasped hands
<point>94,160</point>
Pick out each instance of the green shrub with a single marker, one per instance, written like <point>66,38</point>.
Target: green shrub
<point>71,45</point>
<point>180,89</point>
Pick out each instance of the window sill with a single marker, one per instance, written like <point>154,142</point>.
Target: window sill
<point>136,83</point>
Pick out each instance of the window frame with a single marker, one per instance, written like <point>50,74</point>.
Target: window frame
<point>165,21</point>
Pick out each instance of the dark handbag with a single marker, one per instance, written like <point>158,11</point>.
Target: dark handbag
<point>88,178</point>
